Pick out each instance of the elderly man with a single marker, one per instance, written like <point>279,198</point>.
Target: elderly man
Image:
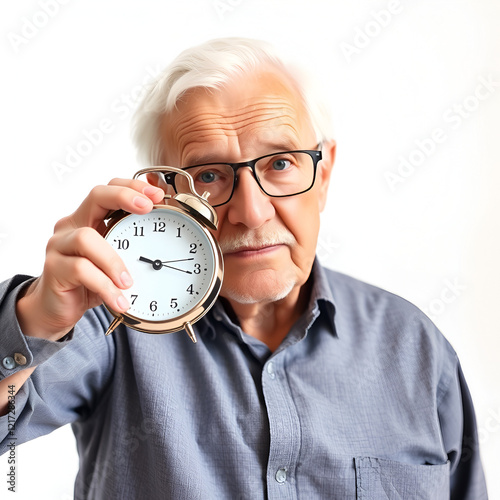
<point>305,383</point>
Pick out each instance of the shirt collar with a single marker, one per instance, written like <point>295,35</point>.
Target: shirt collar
<point>321,303</point>
<point>322,296</point>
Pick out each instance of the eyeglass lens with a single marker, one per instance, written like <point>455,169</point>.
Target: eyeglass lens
<point>281,174</point>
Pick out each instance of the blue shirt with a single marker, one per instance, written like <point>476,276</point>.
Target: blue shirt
<point>364,399</point>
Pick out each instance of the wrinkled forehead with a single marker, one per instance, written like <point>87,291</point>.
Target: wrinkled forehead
<point>256,106</point>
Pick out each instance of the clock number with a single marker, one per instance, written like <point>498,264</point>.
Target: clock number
<point>138,231</point>
<point>173,303</point>
<point>178,232</point>
<point>134,298</point>
<point>197,269</point>
<point>153,306</point>
<point>122,244</point>
<point>192,248</point>
<point>159,227</point>
<point>190,289</point>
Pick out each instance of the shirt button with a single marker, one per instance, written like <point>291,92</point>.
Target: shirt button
<point>9,363</point>
<point>270,370</point>
<point>19,359</point>
<point>281,475</point>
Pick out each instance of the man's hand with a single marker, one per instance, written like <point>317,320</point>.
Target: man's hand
<point>81,268</point>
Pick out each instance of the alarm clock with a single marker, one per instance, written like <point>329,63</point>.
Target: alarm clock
<point>174,260</point>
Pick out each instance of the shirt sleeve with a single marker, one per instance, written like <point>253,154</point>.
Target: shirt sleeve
<point>17,351</point>
<point>70,376</point>
<point>459,430</point>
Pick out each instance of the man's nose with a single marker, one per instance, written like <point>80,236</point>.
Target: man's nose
<point>249,205</point>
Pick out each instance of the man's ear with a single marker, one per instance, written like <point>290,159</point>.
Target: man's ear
<point>325,167</point>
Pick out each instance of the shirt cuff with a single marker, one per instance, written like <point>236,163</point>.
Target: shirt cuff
<point>18,351</point>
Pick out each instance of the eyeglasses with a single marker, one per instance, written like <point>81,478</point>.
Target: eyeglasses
<point>278,175</point>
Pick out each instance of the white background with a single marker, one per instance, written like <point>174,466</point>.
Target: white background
<point>433,238</point>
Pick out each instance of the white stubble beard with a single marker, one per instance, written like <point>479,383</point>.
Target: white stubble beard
<point>258,238</point>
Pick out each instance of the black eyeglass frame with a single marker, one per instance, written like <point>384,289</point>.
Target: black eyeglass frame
<point>315,155</point>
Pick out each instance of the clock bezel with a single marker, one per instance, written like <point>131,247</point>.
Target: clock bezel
<point>208,299</point>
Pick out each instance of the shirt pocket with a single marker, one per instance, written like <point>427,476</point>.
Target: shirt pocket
<point>381,479</point>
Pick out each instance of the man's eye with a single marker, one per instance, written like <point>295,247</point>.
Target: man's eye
<point>207,177</point>
<point>281,164</point>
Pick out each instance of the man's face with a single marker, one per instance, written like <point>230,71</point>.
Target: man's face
<point>268,243</point>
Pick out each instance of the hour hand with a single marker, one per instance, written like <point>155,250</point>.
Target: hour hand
<point>156,264</point>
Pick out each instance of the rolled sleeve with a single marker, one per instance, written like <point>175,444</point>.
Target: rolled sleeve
<point>18,351</point>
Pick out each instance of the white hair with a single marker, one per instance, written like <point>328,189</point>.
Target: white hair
<point>211,65</point>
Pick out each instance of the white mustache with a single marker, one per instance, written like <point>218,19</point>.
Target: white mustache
<point>256,239</point>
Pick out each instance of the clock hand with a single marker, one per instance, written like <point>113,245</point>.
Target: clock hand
<point>178,260</point>
<point>177,269</point>
<point>156,264</point>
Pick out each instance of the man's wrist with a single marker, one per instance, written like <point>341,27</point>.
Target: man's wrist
<point>31,319</point>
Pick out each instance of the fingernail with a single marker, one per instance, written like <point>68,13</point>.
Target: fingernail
<point>126,279</point>
<point>122,303</point>
<point>141,202</point>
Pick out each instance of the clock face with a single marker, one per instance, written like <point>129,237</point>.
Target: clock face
<point>171,259</point>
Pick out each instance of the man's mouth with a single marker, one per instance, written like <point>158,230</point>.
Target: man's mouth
<point>254,250</point>
<point>256,243</point>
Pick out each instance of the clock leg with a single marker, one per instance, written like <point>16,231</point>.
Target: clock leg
<point>113,325</point>
<point>190,331</point>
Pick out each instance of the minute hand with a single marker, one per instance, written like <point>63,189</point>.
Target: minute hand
<point>177,260</point>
